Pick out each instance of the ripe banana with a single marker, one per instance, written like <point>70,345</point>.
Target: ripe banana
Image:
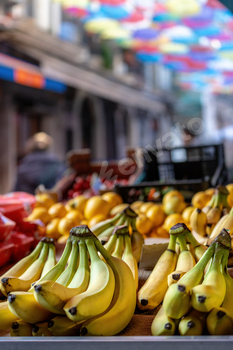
<point>104,225</point>
<point>51,259</point>
<point>57,270</point>
<point>123,304</point>
<point>6,316</point>
<point>199,249</point>
<point>192,324</point>
<point>220,319</point>
<point>24,306</point>
<point>119,247</point>
<point>62,326</point>
<point>162,324</point>
<point>19,268</point>
<point>176,302</point>
<point>41,330</point>
<point>32,274</point>
<point>21,329</point>
<point>129,259</point>
<point>225,222</point>
<point>53,296</point>
<point>152,292</point>
<point>174,277</point>
<point>99,293</point>
<point>137,242</point>
<point>198,222</point>
<point>212,291</point>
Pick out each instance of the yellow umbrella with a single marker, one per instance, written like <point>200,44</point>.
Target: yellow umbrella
<point>173,48</point>
<point>115,34</point>
<point>226,54</point>
<point>97,25</point>
<point>183,7</point>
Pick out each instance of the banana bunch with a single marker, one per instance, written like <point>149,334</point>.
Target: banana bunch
<point>119,245</point>
<point>88,291</point>
<point>104,229</point>
<point>22,274</point>
<point>181,255</point>
<point>198,300</point>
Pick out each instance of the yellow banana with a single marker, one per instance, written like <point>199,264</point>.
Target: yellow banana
<point>19,268</point>
<point>41,330</point>
<point>193,323</point>
<point>24,306</point>
<point>199,249</point>
<point>21,329</point>
<point>129,259</point>
<point>137,242</point>
<point>62,326</point>
<point>53,296</point>
<point>212,291</point>
<point>220,319</point>
<point>110,244</point>
<point>119,247</point>
<point>177,299</point>
<point>51,259</point>
<point>174,277</point>
<point>198,222</point>
<point>99,293</point>
<point>162,324</point>
<point>32,274</point>
<point>104,225</point>
<point>123,304</point>
<point>6,316</point>
<point>225,222</point>
<point>152,292</point>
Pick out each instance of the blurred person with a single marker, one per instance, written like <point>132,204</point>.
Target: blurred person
<point>39,166</point>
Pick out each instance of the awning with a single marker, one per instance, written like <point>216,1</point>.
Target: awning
<point>62,61</point>
<point>23,73</point>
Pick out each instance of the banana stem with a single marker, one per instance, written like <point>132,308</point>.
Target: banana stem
<point>217,258</point>
<point>119,247</point>
<point>128,245</point>
<point>201,264</point>
<point>172,243</point>
<point>109,246</point>
<point>92,250</point>
<point>182,241</point>
<point>121,220</point>
<point>192,239</point>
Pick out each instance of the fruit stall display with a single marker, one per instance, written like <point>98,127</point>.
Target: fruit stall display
<point>95,286</point>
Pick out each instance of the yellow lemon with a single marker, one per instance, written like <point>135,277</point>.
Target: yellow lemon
<point>143,224</point>
<point>187,213</point>
<point>63,239</point>
<point>112,198</point>
<point>172,220</point>
<point>170,194</point>
<point>57,210</point>
<point>136,205</point>
<point>200,199</point>
<point>44,199</point>
<point>96,219</point>
<point>145,207</point>
<point>77,203</point>
<point>75,215</point>
<point>65,225</point>
<point>96,205</point>
<point>52,229</point>
<point>156,214</point>
<point>40,213</point>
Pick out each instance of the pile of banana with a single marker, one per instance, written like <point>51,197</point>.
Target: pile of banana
<point>105,229</point>
<point>200,303</point>
<point>87,292</point>
<point>207,221</point>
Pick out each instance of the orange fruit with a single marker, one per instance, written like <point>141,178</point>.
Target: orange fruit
<point>210,191</point>
<point>172,220</point>
<point>170,194</point>
<point>143,224</point>
<point>40,213</point>
<point>96,219</point>
<point>118,209</point>
<point>44,199</point>
<point>162,232</point>
<point>156,214</point>
<point>65,225</point>
<point>96,205</point>
<point>57,210</point>
<point>145,206</point>
<point>77,203</point>
<point>112,198</point>
<point>75,215</point>
<point>52,229</point>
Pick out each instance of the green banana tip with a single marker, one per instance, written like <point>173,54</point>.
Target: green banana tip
<point>121,230</point>
<point>178,229</point>
<point>81,231</point>
<point>128,211</point>
<point>224,239</point>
